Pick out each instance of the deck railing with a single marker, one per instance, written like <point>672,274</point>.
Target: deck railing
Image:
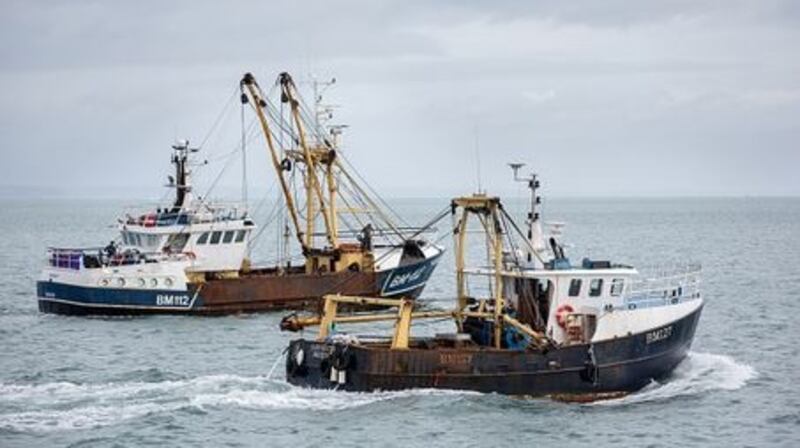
<point>204,213</point>
<point>665,284</point>
<point>96,257</point>
<point>65,258</point>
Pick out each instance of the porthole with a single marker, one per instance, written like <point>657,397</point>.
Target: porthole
<point>142,282</point>
<point>104,282</point>
<point>153,282</point>
<point>121,281</point>
<point>168,281</point>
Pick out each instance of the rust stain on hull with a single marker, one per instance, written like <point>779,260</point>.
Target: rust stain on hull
<point>268,290</point>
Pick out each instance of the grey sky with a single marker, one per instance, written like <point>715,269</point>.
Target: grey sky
<point>605,98</point>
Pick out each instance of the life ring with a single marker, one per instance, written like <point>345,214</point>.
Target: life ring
<point>561,314</point>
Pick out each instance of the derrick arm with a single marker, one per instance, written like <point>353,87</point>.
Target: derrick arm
<point>288,88</point>
<point>251,93</point>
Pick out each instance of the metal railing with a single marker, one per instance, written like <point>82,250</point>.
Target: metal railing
<point>97,257</point>
<point>665,284</point>
<point>196,213</point>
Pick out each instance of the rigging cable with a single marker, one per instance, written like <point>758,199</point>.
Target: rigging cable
<point>219,117</point>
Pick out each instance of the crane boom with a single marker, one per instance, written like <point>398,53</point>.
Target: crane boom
<point>313,186</point>
<point>251,93</point>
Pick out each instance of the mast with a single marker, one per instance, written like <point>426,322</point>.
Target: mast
<point>320,112</point>
<point>181,182</point>
<point>244,159</point>
<point>535,233</point>
<point>313,151</point>
<point>311,158</point>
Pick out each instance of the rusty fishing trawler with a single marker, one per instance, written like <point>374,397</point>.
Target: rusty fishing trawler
<point>526,321</point>
<point>360,250</point>
<point>193,257</point>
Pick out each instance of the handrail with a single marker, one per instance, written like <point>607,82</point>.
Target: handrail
<point>169,219</point>
<point>677,282</point>
<point>76,259</point>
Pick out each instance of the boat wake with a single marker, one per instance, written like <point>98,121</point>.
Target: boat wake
<point>63,406</point>
<point>697,374</point>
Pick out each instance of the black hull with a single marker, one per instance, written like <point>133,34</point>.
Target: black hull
<point>621,365</point>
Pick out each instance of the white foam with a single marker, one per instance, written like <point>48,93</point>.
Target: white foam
<point>310,399</point>
<point>65,405</point>
<point>79,418</point>
<point>61,392</point>
<point>61,406</point>
<point>697,374</point>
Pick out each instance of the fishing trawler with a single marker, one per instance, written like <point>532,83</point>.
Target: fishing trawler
<point>194,256</point>
<point>360,249</point>
<point>527,321</point>
<point>144,270</point>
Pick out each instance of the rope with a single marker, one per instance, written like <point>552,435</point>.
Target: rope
<point>231,157</point>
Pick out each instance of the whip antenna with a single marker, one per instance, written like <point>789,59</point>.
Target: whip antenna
<point>477,159</point>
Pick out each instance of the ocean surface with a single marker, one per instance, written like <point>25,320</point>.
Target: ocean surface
<point>190,381</point>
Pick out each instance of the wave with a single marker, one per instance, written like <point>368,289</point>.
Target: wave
<point>61,406</point>
<point>64,392</point>
<point>313,399</point>
<point>697,374</point>
<point>86,417</point>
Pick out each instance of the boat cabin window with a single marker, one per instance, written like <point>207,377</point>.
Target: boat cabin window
<point>228,236</point>
<point>596,287</point>
<point>177,242</point>
<point>152,240</point>
<point>125,239</point>
<point>203,239</point>
<point>575,287</point>
<point>215,237</point>
<point>617,286</point>
<point>240,236</point>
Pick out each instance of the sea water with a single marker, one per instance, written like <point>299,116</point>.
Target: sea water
<point>193,381</point>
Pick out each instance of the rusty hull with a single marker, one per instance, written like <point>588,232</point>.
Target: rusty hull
<point>266,290</point>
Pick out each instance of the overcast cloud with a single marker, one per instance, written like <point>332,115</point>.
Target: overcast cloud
<point>605,98</point>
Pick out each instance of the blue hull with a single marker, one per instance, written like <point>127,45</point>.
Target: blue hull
<point>60,298</point>
<point>407,280</point>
